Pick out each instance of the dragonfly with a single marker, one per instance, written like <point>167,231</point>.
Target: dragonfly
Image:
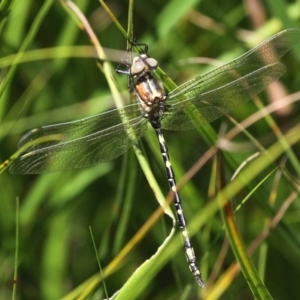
<point>105,136</point>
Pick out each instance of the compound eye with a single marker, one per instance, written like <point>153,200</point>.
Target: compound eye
<point>152,63</point>
<point>137,68</point>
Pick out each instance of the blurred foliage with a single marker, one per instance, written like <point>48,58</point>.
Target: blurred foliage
<point>56,252</point>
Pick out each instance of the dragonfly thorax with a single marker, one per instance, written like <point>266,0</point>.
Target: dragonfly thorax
<point>150,93</point>
<point>148,90</point>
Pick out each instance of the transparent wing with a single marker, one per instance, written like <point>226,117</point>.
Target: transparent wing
<point>207,107</point>
<point>268,52</point>
<point>81,143</point>
<point>233,75</point>
<point>105,136</point>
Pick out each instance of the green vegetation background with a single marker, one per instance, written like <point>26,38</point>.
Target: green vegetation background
<point>56,253</point>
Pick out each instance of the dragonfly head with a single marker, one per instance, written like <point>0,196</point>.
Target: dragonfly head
<point>142,63</point>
